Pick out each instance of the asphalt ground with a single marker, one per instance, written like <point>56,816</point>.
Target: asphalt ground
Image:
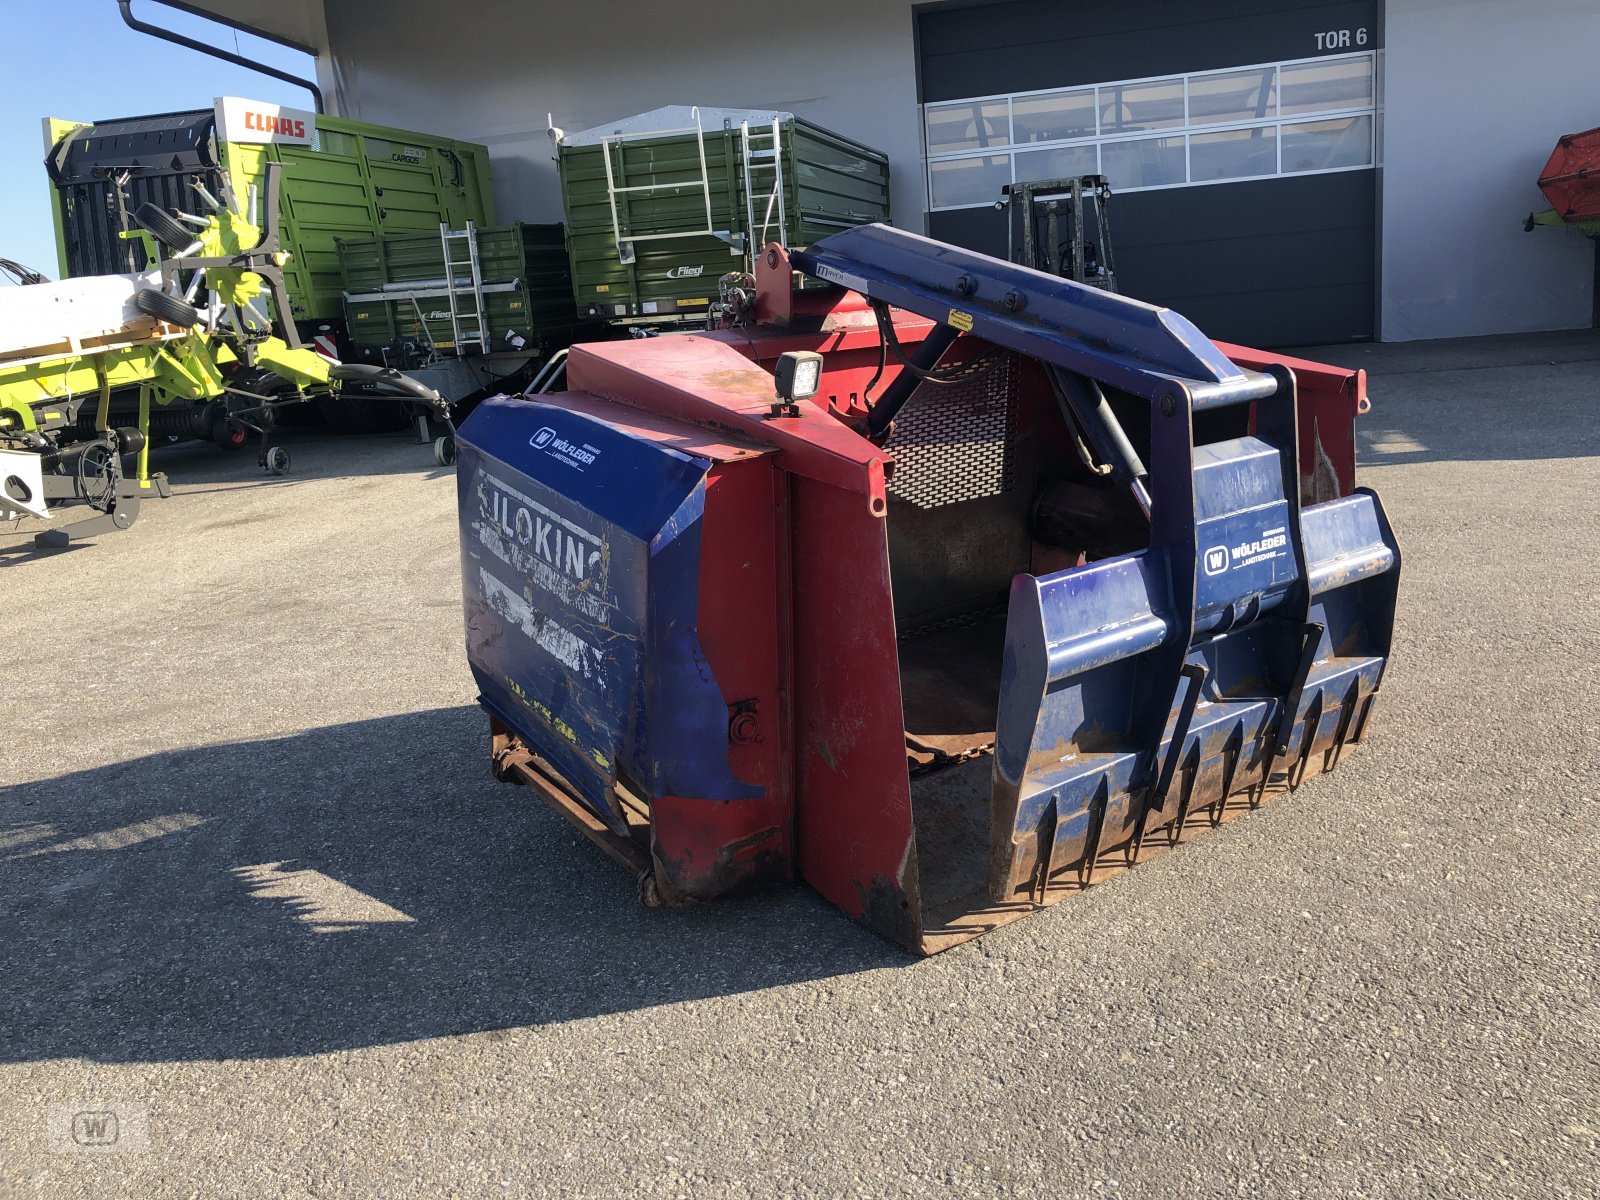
<point>260,899</point>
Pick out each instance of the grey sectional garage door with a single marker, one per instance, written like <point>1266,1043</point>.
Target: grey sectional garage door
<point>1240,137</point>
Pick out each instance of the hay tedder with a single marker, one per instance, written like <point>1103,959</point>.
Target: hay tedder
<point>198,335</point>
<point>950,590</point>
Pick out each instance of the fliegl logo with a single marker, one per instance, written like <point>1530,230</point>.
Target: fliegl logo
<point>1216,560</point>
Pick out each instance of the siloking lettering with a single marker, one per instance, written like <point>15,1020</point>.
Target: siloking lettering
<point>545,538</point>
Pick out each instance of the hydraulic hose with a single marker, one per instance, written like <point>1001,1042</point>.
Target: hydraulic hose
<point>395,381</point>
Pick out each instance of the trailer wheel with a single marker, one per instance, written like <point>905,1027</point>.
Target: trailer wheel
<point>444,450</point>
<point>163,226</point>
<point>276,460</point>
<point>166,308</point>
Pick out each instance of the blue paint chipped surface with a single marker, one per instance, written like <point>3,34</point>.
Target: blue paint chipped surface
<point>580,552</point>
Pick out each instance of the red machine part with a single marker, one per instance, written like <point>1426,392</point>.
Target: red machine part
<point>843,738</point>
<point>1328,400</point>
<point>1571,179</point>
<point>797,612</point>
<point>703,847</point>
<point>798,609</point>
<point>841,326</point>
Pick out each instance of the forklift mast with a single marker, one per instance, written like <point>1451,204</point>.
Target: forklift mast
<point>1065,227</point>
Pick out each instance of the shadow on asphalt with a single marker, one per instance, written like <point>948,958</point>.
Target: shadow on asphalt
<point>351,886</point>
<point>196,467</point>
<point>315,451</point>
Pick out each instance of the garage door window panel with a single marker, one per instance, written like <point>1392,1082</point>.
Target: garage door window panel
<point>1226,98</point>
<point>1233,154</point>
<point>1131,108</point>
<point>1143,162</point>
<point>1054,117</point>
<point>1061,162</point>
<point>1325,86</point>
<point>959,182</point>
<point>1250,122</point>
<point>1327,145</point>
<point>968,126</point>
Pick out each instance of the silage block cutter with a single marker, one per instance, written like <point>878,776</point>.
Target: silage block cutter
<point>951,591</point>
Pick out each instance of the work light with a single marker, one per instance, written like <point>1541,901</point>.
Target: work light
<point>799,374</point>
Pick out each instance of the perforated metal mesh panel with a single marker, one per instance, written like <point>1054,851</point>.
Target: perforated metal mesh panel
<point>953,443</point>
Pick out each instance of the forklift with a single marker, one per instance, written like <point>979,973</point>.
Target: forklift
<point>1065,227</point>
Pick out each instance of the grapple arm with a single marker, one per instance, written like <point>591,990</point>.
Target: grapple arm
<point>1246,641</point>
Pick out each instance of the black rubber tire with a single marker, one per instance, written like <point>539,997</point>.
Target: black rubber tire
<point>165,308</point>
<point>444,451</point>
<point>221,427</point>
<point>226,432</point>
<point>351,412</point>
<point>163,226</point>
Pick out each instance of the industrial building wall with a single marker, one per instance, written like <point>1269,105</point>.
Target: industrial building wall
<point>1476,94</point>
<point>489,71</point>
<point>1238,136</point>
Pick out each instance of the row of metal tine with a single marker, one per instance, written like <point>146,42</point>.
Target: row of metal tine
<point>1152,799</point>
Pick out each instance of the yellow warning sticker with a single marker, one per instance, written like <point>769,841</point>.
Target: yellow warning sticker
<point>960,320</point>
<point>602,287</point>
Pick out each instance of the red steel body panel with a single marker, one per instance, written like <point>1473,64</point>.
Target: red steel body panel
<point>1329,400</point>
<point>704,847</point>
<point>855,830</point>
<point>703,379</point>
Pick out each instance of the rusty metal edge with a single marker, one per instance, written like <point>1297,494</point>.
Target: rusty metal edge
<point>520,766</point>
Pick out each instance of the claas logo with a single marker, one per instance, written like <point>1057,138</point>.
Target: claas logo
<point>268,123</point>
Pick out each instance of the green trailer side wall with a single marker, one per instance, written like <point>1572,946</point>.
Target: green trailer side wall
<point>829,182</point>
<point>56,129</point>
<point>532,257</point>
<point>358,181</point>
<point>361,181</point>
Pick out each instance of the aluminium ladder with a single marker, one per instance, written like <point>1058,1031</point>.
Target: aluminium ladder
<point>769,159</point>
<point>469,322</point>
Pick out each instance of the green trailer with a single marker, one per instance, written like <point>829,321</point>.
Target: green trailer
<point>463,311</point>
<point>661,205</point>
<point>341,179</point>
<point>400,293</point>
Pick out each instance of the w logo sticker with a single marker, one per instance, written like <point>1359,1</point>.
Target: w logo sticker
<point>1216,560</point>
<point>543,438</point>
